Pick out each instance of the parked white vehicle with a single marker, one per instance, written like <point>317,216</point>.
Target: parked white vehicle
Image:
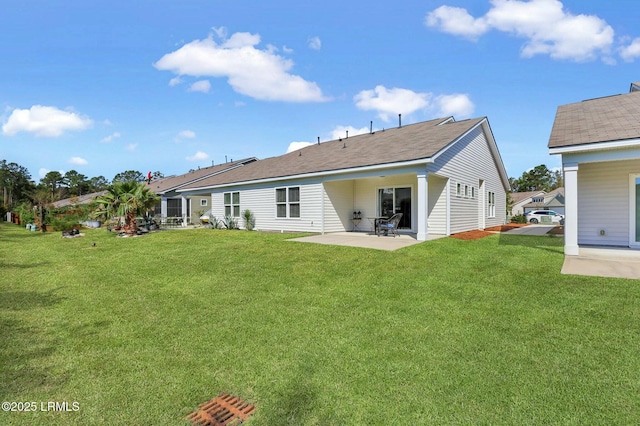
<point>537,217</point>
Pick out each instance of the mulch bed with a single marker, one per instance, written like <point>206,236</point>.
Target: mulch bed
<point>477,234</point>
<point>471,235</point>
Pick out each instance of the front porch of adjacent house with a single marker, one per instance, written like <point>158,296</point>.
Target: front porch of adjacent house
<point>355,204</point>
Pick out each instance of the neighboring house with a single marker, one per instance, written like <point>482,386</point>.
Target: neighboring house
<point>174,205</point>
<point>599,141</point>
<point>77,200</point>
<point>553,200</point>
<point>521,199</point>
<point>444,176</point>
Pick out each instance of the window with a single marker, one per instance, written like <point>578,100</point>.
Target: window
<point>288,202</point>
<point>473,192</point>
<point>466,191</point>
<point>203,202</point>
<point>232,204</point>
<point>459,189</point>
<point>491,196</point>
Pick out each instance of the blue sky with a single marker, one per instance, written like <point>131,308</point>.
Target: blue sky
<point>103,87</point>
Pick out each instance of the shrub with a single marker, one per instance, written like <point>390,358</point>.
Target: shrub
<point>249,220</point>
<point>519,218</point>
<point>230,222</point>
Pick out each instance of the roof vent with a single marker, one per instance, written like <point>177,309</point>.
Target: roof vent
<point>399,120</point>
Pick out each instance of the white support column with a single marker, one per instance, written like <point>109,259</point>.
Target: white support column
<point>571,209</point>
<point>163,208</point>
<point>184,210</point>
<point>423,206</point>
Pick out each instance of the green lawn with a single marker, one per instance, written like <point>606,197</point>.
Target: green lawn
<point>140,331</point>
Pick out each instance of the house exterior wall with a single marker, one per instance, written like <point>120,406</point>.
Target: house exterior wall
<point>338,205</point>
<point>366,196</point>
<point>467,163</point>
<point>437,207</point>
<point>197,209</point>
<point>260,200</point>
<point>603,202</point>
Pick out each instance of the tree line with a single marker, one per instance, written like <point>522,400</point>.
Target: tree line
<point>19,188</point>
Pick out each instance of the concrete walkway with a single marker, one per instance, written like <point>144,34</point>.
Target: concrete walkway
<point>538,230</point>
<point>604,262</point>
<point>364,240</point>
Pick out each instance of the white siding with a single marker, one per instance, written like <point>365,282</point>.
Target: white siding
<point>603,202</point>
<point>366,196</point>
<point>437,221</point>
<point>260,199</point>
<point>338,205</point>
<point>467,162</point>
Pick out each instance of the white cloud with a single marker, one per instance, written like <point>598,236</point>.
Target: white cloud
<point>43,172</point>
<point>187,134</point>
<point>341,131</point>
<point>131,147</point>
<point>458,105</point>
<point>457,21</point>
<point>44,121</point>
<point>200,86</point>
<point>175,81</point>
<point>294,146</point>
<point>314,43</point>
<point>198,156</point>
<point>260,74</point>
<point>547,28</point>
<point>632,51</point>
<point>78,161</point>
<point>391,102</point>
<point>110,138</point>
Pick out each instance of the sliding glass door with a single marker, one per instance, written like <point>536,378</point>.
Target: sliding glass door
<point>396,200</point>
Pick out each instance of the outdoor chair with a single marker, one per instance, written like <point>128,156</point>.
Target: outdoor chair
<point>391,224</point>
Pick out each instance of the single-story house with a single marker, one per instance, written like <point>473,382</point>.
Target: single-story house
<point>444,176</point>
<point>190,209</point>
<point>521,199</point>
<point>553,200</point>
<point>599,141</point>
<point>77,200</point>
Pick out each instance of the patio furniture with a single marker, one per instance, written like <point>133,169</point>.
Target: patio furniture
<point>391,224</point>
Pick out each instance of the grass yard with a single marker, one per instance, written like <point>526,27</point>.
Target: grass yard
<point>140,331</point>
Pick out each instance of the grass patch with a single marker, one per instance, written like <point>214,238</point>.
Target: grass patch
<point>142,330</point>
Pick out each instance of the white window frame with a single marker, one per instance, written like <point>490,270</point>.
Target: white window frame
<point>204,202</point>
<point>491,204</point>
<point>288,202</point>
<point>231,205</point>
<point>458,189</point>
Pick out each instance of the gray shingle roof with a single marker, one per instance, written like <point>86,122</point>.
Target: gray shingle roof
<point>517,197</point>
<point>406,143</point>
<point>82,199</point>
<point>609,119</point>
<point>163,185</point>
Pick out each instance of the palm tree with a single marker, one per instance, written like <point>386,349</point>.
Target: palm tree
<point>129,199</point>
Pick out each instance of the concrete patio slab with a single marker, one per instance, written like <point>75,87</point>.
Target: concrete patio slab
<point>364,240</point>
<point>604,262</point>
